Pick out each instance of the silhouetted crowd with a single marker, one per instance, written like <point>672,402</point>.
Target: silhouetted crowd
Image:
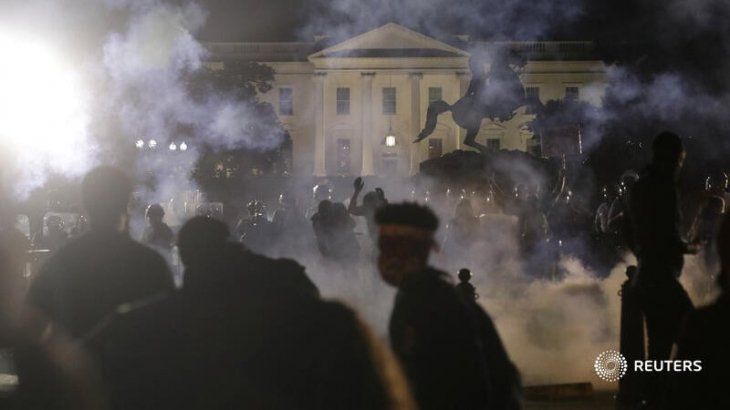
<point>108,323</point>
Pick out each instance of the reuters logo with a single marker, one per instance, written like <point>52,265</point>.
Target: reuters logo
<point>610,365</point>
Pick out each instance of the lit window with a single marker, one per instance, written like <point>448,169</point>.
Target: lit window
<point>389,100</point>
<point>286,105</point>
<point>343,101</point>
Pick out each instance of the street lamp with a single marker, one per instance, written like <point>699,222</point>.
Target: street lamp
<point>172,147</point>
<point>183,146</point>
<point>152,144</point>
<point>139,144</point>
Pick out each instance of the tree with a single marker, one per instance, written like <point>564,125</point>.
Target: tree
<point>242,82</point>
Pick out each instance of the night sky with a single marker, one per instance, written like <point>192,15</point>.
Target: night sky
<point>253,20</point>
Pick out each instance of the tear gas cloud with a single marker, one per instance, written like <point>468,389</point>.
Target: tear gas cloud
<point>552,329</point>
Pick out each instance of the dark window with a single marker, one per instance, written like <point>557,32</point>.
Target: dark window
<point>389,100</point>
<point>435,148</point>
<point>343,101</point>
<point>434,94</point>
<point>343,156</point>
<point>286,105</point>
<point>493,144</point>
<point>571,93</point>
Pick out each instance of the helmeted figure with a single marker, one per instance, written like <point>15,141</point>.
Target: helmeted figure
<point>320,192</point>
<point>255,231</point>
<point>56,236</point>
<point>707,222</point>
<point>463,228</point>
<point>291,230</point>
<point>602,219</point>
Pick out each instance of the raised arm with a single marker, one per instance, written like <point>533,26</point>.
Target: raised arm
<point>352,207</point>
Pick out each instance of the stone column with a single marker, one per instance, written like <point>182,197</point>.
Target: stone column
<point>464,78</point>
<point>319,124</point>
<point>367,124</point>
<point>415,149</point>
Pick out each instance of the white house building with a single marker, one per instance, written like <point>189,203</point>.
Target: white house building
<point>354,108</point>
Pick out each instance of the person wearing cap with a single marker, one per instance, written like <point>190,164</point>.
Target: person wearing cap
<point>433,332</point>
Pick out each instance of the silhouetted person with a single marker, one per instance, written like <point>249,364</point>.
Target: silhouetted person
<point>706,337</point>
<point>55,237</point>
<point>291,229</point>
<point>157,234</point>
<point>92,275</point>
<point>245,331</point>
<point>434,333</point>
<point>463,229</point>
<point>370,204</point>
<point>660,249</point>
<point>334,229</point>
<point>255,231</point>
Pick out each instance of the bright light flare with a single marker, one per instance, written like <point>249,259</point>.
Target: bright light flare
<point>43,117</point>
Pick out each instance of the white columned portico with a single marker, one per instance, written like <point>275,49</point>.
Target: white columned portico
<point>464,79</point>
<point>319,127</point>
<point>367,124</point>
<point>416,125</point>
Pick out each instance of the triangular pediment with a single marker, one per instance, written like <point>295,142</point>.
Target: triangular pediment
<point>390,40</point>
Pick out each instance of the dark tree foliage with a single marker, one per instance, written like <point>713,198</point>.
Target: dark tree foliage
<point>219,170</point>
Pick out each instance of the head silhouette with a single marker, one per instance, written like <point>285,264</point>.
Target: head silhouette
<point>405,240</point>
<point>201,240</point>
<point>155,213</point>
<point>668,150</point>
<point>105,194</point>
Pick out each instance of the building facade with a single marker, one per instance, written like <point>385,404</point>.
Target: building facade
<point>355,107</point>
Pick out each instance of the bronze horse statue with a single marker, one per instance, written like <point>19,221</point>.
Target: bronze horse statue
<point>494,95</point>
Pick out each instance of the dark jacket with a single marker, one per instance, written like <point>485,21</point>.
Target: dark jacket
<point>88,278</point>
<point>433,334</point>
<point>705,337</point>
<point>655,222</point>
<point>256,336</point>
